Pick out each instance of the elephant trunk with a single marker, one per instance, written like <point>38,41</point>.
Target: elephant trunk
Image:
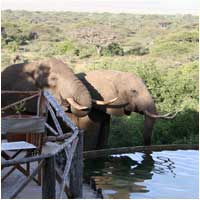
<point>148,126</point>
<point>150,116</point>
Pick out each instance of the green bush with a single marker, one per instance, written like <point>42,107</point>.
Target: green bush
<point>64,47</point>
<point>13,46</point>
<point>183,129</point>
<point>177,45</point>
<point>77,52</point>
<point>113,49</point>
<point>137,50</point>
<point>132,136</point>
<point>184,36</point>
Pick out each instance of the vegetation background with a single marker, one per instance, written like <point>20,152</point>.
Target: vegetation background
<point>163,50</point>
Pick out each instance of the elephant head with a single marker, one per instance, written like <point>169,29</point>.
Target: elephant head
<point>53,75</point>
<point>132,96</point>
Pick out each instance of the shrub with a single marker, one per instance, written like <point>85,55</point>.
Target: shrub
<point>112,50</point>
<point>64,47</point>
<point>137,50</point>
<point>177,45</point>
<point>77,52</point>
<point>13,46</point>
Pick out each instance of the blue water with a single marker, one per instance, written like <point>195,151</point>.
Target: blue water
<point>164,174</point>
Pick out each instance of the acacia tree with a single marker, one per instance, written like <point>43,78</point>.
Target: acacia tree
<point>100,37</point>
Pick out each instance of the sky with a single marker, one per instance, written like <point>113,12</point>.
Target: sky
<point>114,6</point>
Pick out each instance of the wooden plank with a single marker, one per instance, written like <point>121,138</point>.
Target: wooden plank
<point>18,92</point>
<point>55,119</point>
<point>8,163</point>
<point>76,171</point>
<point>51,129</point>
<point>57,138</point>
<point>49,179</point>
<point>48,150</point>
<point>7,146</point>
<point>59,111</point>
<point>7,174</point>
<point>107,152</point>
<point>67,167</point>
<point>21,101</point>
<point>59,179</point>
<point>39,103</point>
<point>23,124</point>
<point>26,181</point>
<point>62,114</point>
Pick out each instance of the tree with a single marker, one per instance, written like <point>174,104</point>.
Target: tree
<point>100,37</point>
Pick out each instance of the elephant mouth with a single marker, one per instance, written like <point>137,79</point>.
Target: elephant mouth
<point>76,105</point>
<point>66,103</point>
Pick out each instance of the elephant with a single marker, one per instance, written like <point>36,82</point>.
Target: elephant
<point>51,74</point>
<point>130,94</point>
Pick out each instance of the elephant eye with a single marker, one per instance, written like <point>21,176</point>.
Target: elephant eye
<point>53,78</point>
<point>52,81</point>
<point>134,92</point>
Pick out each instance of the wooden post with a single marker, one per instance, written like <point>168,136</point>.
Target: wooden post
<point>49,179</point>
<point>76,171</point>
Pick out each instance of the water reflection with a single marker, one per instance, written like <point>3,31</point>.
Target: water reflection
<point>125,173</point>
<point>165,174</point>
<point>164,165</point>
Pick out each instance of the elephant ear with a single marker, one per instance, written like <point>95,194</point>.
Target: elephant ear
<point>41,74</point>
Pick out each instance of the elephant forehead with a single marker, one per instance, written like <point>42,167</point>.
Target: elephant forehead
<point>51,65</point>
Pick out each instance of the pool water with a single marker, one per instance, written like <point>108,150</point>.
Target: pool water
<point>164,174</point>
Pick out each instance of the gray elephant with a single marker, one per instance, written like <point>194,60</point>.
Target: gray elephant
<point>51,74</point>
<point>132,96</point>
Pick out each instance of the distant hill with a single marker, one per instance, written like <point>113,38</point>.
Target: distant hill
<point>77,36</point>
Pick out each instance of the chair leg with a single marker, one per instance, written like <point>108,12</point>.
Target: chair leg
<point>39,176</point>
<point>8,173</point>
<point>28,168</point>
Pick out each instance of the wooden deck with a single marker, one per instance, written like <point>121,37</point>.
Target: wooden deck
<point>32,190</point>
<point>70,178</point>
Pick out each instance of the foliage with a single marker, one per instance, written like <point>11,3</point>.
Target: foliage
<point>64,47</point>
<point>77,52</point>
<point>113,49</point>
<point>20,108</point>
<point>13,46</point>
<point>137,50</point>
<point>177,44</point>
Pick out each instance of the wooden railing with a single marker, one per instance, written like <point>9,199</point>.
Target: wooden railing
<point>70,179</point>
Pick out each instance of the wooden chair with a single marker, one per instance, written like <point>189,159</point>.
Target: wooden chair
<point>33,127</point>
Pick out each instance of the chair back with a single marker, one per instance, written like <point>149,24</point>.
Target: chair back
<point>33,127</point>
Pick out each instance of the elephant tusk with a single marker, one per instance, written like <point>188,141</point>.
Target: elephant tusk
<point>102,103</point>
<point>76,105</point>
<point>156,116</point>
